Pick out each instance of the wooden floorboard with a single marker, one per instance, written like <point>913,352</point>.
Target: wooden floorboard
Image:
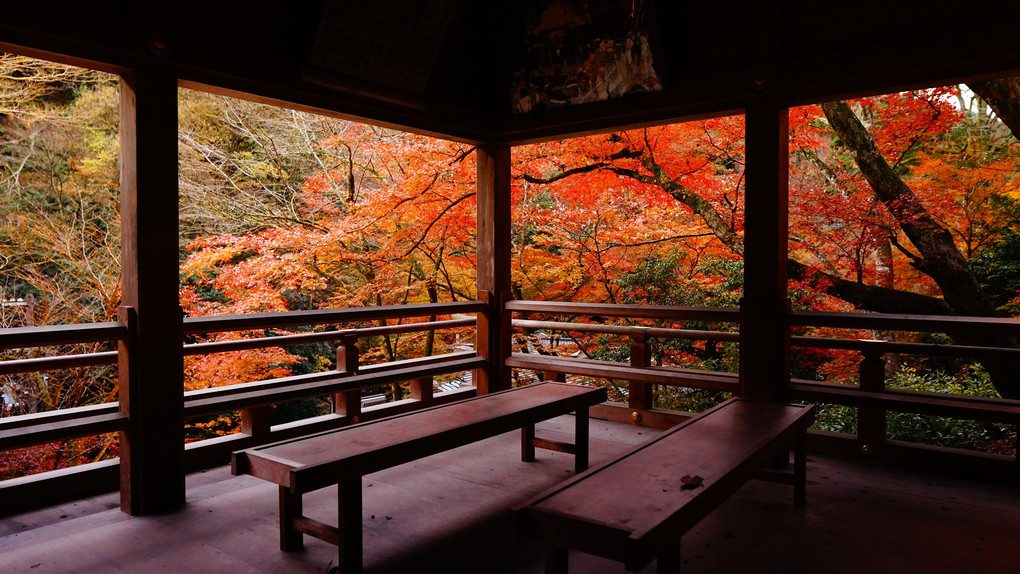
<point>447,514</point>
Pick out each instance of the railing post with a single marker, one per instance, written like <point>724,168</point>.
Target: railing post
<point>256,421</point>
<point>640,394</point>
<point>421,390</point>
<point>557,376</point>
<point>348,403</point>
<point>492,341</point>
<point>871,419</point>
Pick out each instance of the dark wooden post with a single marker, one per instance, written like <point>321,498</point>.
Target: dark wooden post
<point>152,369</point>
<point>557,376</point>
<point>493,271</point>
<point>639,394</point>
<point>348,403</point>
<point>871,419</point>
<point>256,421</point>
<point>764,327</point>
<point>421,390</point>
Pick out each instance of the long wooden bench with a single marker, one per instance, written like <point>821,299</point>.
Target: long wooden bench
<point>636,508</point>
<point>343,456</point>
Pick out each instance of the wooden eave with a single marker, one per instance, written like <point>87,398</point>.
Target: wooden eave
<point>714,60</point>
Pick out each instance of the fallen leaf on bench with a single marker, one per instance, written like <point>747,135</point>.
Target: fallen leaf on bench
<point>690,481</point>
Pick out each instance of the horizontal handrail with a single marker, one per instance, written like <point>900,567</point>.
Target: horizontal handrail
<point>322,376</point>
<point>975,408</point>
<point>862,345</point>
<point>630,311</point>
<point>897,322</point>
<point>59,415</point>
<point>37,364</point>
<point>881,347</point>
<point>320,337</point>
<point>40,428</point>
<point>224,323</point>
<point>627,330</point>
<point>673,376</point>
<point>50,335</point>
<point>269,392</point>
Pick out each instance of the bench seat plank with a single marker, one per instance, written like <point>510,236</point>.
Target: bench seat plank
<point>320,460</point>
<point>342,456</point>
<point>633,507</point>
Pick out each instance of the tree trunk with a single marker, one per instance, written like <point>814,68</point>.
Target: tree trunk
<point>1003,96</point>
<point>938,256</point>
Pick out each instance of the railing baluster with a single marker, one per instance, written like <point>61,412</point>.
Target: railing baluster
<point>421,389</point>
<point>256,421</point>
<point>871,421</point>
<point>558,376</point>
<point>348,403</point>
<point>640,394</point>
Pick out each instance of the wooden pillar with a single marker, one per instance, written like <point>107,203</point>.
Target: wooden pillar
<point>493,266</point>
<point>764,326</point>
<point>152,369</point>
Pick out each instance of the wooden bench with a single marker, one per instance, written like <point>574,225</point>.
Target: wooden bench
<point>636,508</point>
<point>343,456</point>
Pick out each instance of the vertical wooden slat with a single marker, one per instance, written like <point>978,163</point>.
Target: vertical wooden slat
<point>764,326</point>
<point>151,388</point>
<point>871,419</point>
<point>421,390</point>
<point>348,403</point>
<point>639,394</point>
<point>256,421</point>
<point>493,266</point>
<point>557,376</point>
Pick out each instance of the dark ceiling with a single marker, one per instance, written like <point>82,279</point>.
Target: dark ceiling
<point>448,66</point>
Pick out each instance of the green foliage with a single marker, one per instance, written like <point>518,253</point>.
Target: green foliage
<point>925,429</point>
<point>688,400</point>
<point>997,269</point>
<point>835,418</point>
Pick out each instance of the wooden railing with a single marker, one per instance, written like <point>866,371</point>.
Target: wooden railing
<point>346,381</point>
<point>252,399</point>
<point>871,397</point>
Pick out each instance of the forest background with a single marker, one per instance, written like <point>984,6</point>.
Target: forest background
<point>903,203</point>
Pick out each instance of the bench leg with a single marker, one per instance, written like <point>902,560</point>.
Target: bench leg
<point>800,470</point>
<point>556,560</point>
<point>349,526</point>
<point>581,432</point>
<point>669,560</point>
<point>290,508</point>
<point>528,443</point>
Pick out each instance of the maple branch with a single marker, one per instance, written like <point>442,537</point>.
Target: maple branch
<point>940,259</point>
<point>435,220</point>
<point>870,297</point>
<point>296,220</point>
<point>655,241</point>
<point>564,174</point>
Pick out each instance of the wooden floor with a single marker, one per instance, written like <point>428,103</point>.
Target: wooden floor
<point>447,514</point>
